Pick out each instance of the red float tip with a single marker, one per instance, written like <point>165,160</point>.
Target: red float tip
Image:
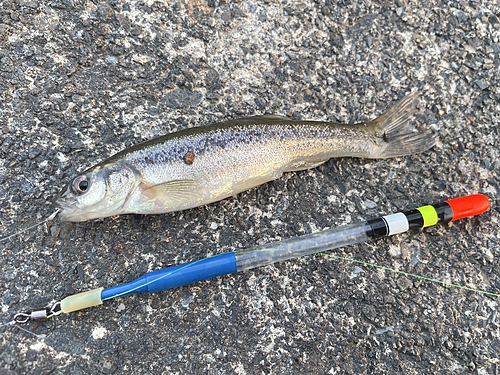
<point>470,205</point>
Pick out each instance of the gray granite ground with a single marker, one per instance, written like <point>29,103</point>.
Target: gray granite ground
<point>83,80</point>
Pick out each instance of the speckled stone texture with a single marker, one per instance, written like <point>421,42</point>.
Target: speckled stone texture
<point>80,81</point>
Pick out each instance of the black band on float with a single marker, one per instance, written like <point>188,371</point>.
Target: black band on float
<point>379,228</point>
<point>415,219</point>
<point>444,212</point>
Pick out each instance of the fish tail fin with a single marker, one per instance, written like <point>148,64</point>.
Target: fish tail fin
<point>399,137</point>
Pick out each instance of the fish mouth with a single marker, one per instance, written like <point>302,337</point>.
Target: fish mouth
<point>66,210</point>
<point>71,210</point>
<point>66,204</point>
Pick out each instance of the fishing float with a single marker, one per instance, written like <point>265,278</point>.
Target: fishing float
<point>258,256</point>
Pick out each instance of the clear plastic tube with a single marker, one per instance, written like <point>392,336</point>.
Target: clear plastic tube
<point>303,245</point>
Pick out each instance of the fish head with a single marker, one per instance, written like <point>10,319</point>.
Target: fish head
<point>101,191</point>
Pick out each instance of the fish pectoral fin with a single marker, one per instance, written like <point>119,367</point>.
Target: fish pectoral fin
<point>173,193</point>
<point>302,165</point>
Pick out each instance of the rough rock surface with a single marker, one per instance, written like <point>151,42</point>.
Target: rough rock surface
<point>81,80</point>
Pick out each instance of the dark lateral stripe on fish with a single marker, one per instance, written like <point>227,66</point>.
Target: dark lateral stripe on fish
<point>221,138</point>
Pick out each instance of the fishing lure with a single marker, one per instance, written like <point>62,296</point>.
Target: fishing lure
<point>197,166</point>
<point>258,256</point>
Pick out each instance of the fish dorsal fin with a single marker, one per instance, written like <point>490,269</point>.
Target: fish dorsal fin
<point>267,117</point>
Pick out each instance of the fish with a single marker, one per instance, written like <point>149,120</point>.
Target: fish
<point>201,165</point>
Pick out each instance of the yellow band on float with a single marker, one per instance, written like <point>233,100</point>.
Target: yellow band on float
<point>429,214</point>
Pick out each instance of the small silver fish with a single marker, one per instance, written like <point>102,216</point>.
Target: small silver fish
<point>201,165</point>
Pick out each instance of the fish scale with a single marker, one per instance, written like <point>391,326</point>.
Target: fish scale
<point>286,136</point>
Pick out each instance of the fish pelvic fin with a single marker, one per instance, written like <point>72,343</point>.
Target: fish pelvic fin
<point>399,136</point>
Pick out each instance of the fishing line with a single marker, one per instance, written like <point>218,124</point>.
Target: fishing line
<point>411,274</point>
<point>25,330</point>
<point>242,260</point>
<point>11,323</point>
<point>50,218</point>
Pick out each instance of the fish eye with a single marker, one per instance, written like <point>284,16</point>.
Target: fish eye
<point>80,185</point>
